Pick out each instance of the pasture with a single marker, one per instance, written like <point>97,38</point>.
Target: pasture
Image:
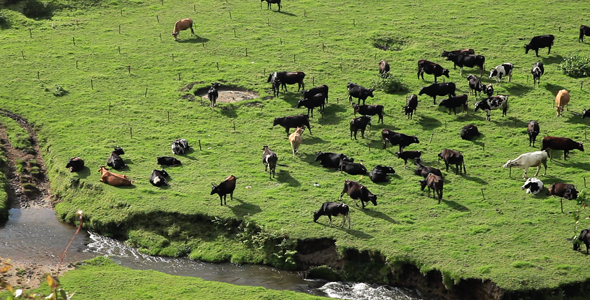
<point>127,81</point>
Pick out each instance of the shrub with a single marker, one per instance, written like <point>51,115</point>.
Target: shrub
<point>38,9</point>
<point>11,2</point>
<point>3,21</point>
<point>387,41</point>
<point>59,91</point>
<point>576,66</point>
<point>391,84</point>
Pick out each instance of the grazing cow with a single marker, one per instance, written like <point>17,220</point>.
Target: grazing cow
<point>225,187</point>
<point>321,89</point>
<point>435,183</point>
<point>540,41</point>
<point>586,113</point>
<point>527,160</point>
<point>269,159</point>
<point>422,170</point>
<point>269,2</point>
<point>296,140</point>
<point>533,185</point>
<point>182,25</point>
<point>317,100</point>
<point>537,70</point>
<point>359,123</point>
<point>468,60</point>
<point>75,164</point>
<point>358,191</point>
<point>359,92</point>
<point>438,89</point>
<point>492,103</point>
<point>333,209</point>
<point>213,94</point>
<point>158,177</point>
<point>428,67</point>
<point>168,161</point>
<point>475,85</point>
<point>180,146</point>
<point>285,78</point>
<point>405,155</point>
<point>115,161</point>
<point>452,157</point>
<point>533,130</point>
<point>453,55</point>
<point>292,122</point>
<point>396,138</point>
<point>503,70</point>
<point>369,110</point>
<point>560,143</point>
<point>468,132</point>
<point>352,168</point>
<point>455,101</point>
<point>583,237</point>
<point>584,31</point>
<point>379,173</point>
<point>561,100</point>
<point>113,178</point>
<point>490,90</point>
<point>384,68</point>
<point>332,160</point>
<point>564,190</point>
<point>275,84</point>
<point>411,104</point>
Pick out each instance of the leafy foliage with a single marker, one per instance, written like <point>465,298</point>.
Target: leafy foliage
<point>390,85</point>
<point>59,91</point>
<point>576,66</point>
<point>39,10</point>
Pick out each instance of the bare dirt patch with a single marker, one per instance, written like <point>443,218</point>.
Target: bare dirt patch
<point>30,275</point>
<point>228,94</point>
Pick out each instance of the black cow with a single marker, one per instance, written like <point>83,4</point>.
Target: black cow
<point>269,2</point>
<point>491,103</point>
<point>560,143</point>
<point>352,168</point>
<point>586,113</point>
<point>540,41</point>
<point>455,101</point>
<point>369,110</point>
<point>411,105</point>
<point>168,161</point>
<point>115,161</point>
<point>321,89</point>
<point>384,68</point>
<point>468,132</point>
<point>533,130</point>
<point>357,91</point>
<point>379,173</point>
<point>435,183</point>
<point>537,71</point>
<point>454,55</point>
<point>75,164</point>
<point>452,157</point>
<point>317,100</point>
<point>288,78</point>
<point>468,60</point>
<point>422,170</point>
<point>438,89</point>
<point>269,159</point>
<point>332,160</point>
<point>584,236</point>
<point>225,187</point>
<point>415,155</point>
<point>333,209</point>
<point>213,94</point>
<point>584,31</point>
<point>428,67</point>
<point>396,138</point>
<point>358,191</point>
<point>158,177</point>
<point>359,123</point>
<point>180,146</point>
<point>475,85</point>
<point>292,122</point>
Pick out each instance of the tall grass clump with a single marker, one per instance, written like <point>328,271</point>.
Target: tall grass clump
<point>387,41</point>
<point>576,66</point>
<point>390,85</point>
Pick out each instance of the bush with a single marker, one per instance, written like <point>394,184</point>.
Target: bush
<point>576,66</point>
<point>3,20</point>
<point>59,91</point>
<point>11,2</point>
<point>390,84</point>
<point>38,9</point>
<point>387,41</point>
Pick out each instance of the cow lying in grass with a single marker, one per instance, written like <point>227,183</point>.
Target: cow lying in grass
<point>113,178</point>
<point>75,164</point>
<point>158,177</point>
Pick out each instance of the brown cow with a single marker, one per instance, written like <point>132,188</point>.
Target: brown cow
<point>435,183</point>
<point>384,68</point>
<point>296,140</point>
<point>561,100</point>
<point>113,178</point>
<point>183,24</point>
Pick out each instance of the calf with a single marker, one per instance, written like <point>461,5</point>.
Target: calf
<point>492,103</point>
<point>295,140</point>
<point>317,100</point>
<point>75,164</point>
<point>455,101</point>
<point>540,41</point>
<point>411,104</point>
<point>490,90</point>
<point>213,94</point>
<point>168,161</point>
<point>527,160</point>
<point>292,122</point>
<point>468,132</point>
<point>333,209</point>
<point>359,92</point>
<point>358,191</point>
<point>438,89</point>
<point>586,113</point>
<point>453,55</point>
<point>503,70</point>
<point>560,143</point>
<point>384,68</point>
<point>321,89</point>
<point>584,31</point>
<point>352,168</point>
<point>180,146</point>
<point>379,173</point>
<point>533,186</point>
<point>359,123</point>
<point>115,161</point>
<point>405,155</point>
<point>225,187</point>
<point>396,138</point>
<point>113,179</point>
<point>452,157</point>
<point>533,130</point>
<point>428,67</point>
<point>561,100</point>
<point>158,177</point>
<point>475,85</point>
<point>422,170</point>
<point>269,159</point>
<point>332,160</point>
<point>583,237</point>
<point>537,71</point>
<point>564,190</point>
<point>369,110</point>
<point>435,183</point>
<point>468,60</point>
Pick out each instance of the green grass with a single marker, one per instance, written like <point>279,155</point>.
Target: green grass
<point>514,239</point>
<point>18,136</point>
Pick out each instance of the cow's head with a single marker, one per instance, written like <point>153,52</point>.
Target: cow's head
<point>119,150</point>
<point>316,216</point>
<point>385,169</point>
<point>300,103</point>
<point>214,189</point>
<point>422,184</point>
<point>477,106</point>
<point>415,140</point>
<point>527,47</point>
<point>446,72</point>
<point>422,90</point>
<point>370,92</point>
<point>580,146</point>
<point>372,198</point>
<point>277,121</point>
<point>164,173</point>
<point>493,72</point>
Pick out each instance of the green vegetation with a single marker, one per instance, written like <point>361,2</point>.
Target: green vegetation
<point>576,66</point>
<point>18,136</point>
<point>4,205</point>
<point>125,75</point>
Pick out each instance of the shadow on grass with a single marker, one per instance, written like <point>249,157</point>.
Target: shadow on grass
<point>518,89</point>
<point>194,40</point>
<point>330,115</point>
<point>244,209</point>
<point>286,13</point>
<point>454,205</point>
<point>285,177</point>
<point>429,123</point>
<point>512,122</point>
<point>356,233</point>
<point>227,110</point>
<point>575,118</point>
<point>556,59</point>
<point>553,88</point>
<point>380,215</point>
<point>310,140</point>
<point>572,164</point>
<point>475,179</point>
<point>85,172</point>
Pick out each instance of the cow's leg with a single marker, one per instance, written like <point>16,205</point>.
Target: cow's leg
<point>192,31</point>
<point>362,133</point>
<point>434,99</point>
<point>549,52</point>
<point>538,169</point>
<point>464,169</point>
<point>348,219</point>
<point>565,152</point>
<point>330,217</point>
<point>340,199</point>
<point>545,165</point>
<point>526,170</point>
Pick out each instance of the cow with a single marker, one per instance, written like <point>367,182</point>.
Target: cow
<point>213,94</point>
<point>293,122</point>
<point>396,138</point>
<point>561,100</point>
<point>435,183</point>
<point>182,25</point>
<point>333,209</point>
<point>455,54</point>
<point>115,161</point>
<point>158,177</point>
<point>503,70</point>
<point>428,67</point>
<point>295,140</point>
<point>269,159</point>
<point>332,160</point>
<point>586,113</point>
<point>452,157</point>
<point>379,173</point>
<point>438,89</point>
<point>384,68</point>
<point>560,143</point>
<point>411,104</point>
<point>168,161</point>
<point>475,85</point>
<point>369,110</point>
<point>180,146</point>
<point>321,89</point>
<point>533,186</point>
<point>455,101</point>
<point>359,123</point>
<point>317,100</point>
<point>285,78</point>
<point>225,187</point>
<point>468,60</point>
<point>533,130</point>
<point>113,179</point>
<point>422,170</point>
<point>469,131</point>
<point>275,84</point>
<point>537,70</point>
<point>352,168</point>
<point>358,191</point>
<point>564,190</point>
<point>75,164</point>
<point>540,41</point>
<point>269,2</point>
<point>359,92</point>
<point>584,236</point>
<point>405,155</point>
<point>492,103</point>
<point>584,31</point>
<point>527,160</point>
<point>489,90</point>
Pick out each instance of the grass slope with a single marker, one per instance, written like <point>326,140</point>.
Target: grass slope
<point>516,240</point>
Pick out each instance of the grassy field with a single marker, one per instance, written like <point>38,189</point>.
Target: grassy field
<point>109,54</point>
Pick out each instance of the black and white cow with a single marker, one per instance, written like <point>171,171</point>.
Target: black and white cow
<point>537,71</point>
<point>475,85</point>
<point>490,90</point>
<point>158,177</point>
<point>213,93</point>
<point>438,89</point>
<point>168,161</point>
<point>180,146</point>
<point>540,41</point>
<point>503,70</point>
<point>492,103</point>
<point>533,186</point>
<point>428,67</point>
<point>331,209</point>
<point>359,92</point>
<point>379,173</point>
<point>332,160</point>
<point>411,105</point>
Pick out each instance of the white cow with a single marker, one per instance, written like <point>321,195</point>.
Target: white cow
<point>527,160</point>
<point>533,185</point>
<point>503,70</point>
